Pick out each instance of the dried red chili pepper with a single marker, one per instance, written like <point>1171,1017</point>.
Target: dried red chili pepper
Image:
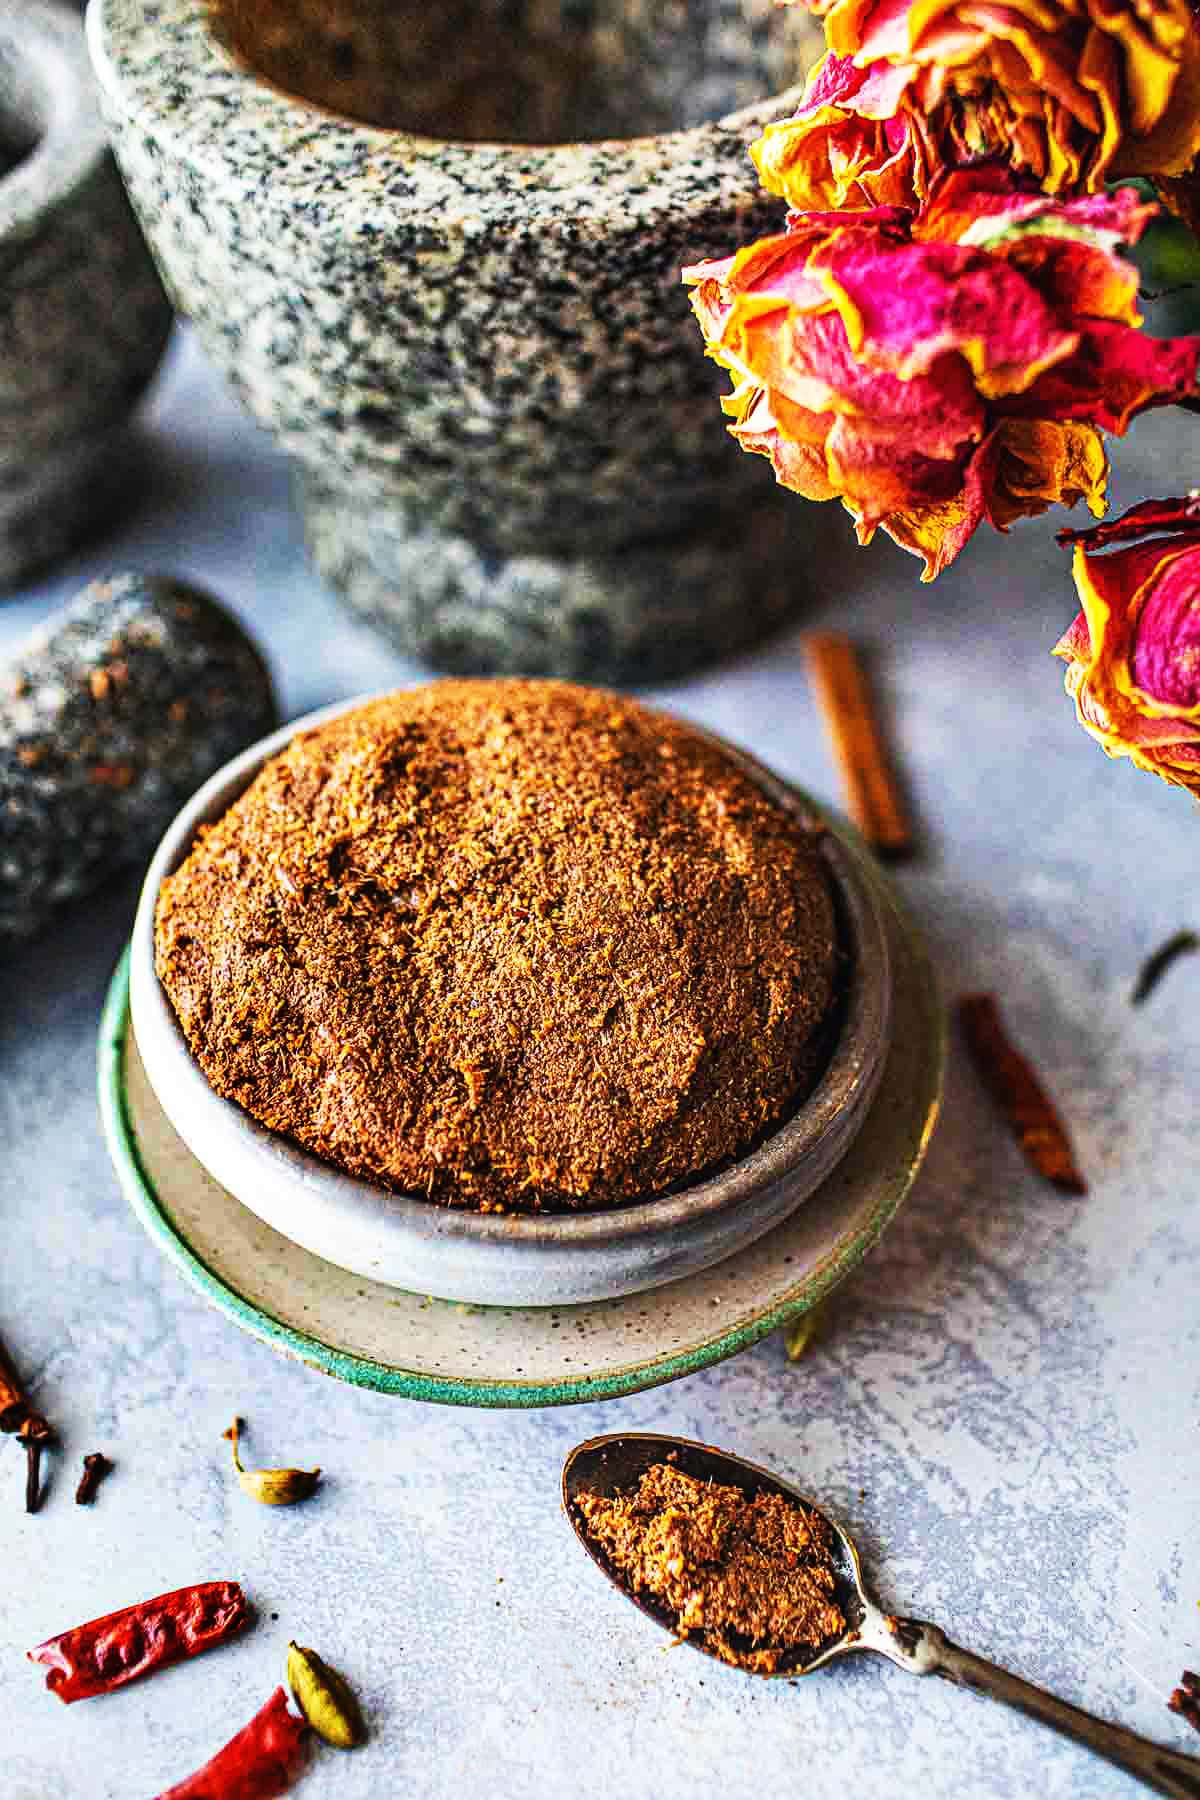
<point>106,1653</point>
<point>261,1761</point>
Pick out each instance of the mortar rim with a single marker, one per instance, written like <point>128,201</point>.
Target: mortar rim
<point>47,39</point>
<point>166,98</point>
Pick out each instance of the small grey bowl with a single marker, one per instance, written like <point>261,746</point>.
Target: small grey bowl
<point>84,319</point>
<point>512,1260</point>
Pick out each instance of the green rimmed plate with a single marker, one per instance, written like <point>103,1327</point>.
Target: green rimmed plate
<point>399,1343</point>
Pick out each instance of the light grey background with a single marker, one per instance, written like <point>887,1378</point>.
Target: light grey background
<point>1005,1407</point>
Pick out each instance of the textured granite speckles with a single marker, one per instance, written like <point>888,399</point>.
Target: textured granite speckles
<point>638,613</point>
<point>83,316</point>
<point>490,338</point>
<point>111,717</point>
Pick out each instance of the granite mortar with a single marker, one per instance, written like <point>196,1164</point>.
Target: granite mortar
<point>83,316</point>
<point>479,353</point>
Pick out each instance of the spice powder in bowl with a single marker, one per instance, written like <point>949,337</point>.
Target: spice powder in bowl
<point>516,946</point>
<point>753,1574</point>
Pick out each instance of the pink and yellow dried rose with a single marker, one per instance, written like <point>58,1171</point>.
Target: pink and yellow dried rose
<point>1133,653</point>
<point>937,370</point>
<point>1070,92</point>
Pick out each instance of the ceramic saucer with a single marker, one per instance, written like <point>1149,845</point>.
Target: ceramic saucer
<point>381,1337</point>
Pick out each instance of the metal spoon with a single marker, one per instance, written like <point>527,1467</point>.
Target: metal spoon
<point>613,1465</point>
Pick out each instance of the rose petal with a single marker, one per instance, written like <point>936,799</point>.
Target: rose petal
<point>1166,640</point>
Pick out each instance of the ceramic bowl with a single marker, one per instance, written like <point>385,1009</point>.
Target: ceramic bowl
<point>83,316</point>
<point>461,312</point>
<point>513,1260</point>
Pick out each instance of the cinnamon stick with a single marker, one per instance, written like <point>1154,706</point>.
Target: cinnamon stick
<point>20,1419</point>
<point>873,797</point>
<point>1022,1099</point>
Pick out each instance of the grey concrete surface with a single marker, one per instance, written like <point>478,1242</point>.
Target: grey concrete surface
<point>1005,1406</point>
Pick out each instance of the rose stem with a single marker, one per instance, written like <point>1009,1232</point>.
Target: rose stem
<point>873,797</point>
<point>1156,966</point>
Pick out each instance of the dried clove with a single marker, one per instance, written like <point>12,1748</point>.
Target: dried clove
<point>19,1418</point>
<point>271,1487</point>
<point>1185,1700</point>
<point>95,1467</point>
<point>33,1473</point>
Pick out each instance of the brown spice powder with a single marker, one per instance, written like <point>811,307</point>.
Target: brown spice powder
<point>509,944</point>
<point>754,1576</point>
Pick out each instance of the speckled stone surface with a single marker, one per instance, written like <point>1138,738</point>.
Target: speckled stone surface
<point>1003,1408</point>
<point>647,612</point>
<point>110,717</point>
<point>83,316</point>
<point>487,341</point>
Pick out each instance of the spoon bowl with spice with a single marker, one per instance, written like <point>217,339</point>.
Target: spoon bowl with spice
<point>736,1562</point>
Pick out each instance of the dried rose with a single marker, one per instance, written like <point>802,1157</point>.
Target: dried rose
<point>1066,91</point>
<point>1134,650</point>
<point>854,141</point>
<point>935,371</point>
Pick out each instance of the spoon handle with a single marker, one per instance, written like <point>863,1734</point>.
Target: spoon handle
<point>925,1650</point>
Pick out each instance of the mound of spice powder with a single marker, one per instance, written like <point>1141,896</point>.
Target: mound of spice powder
<point>754,1575</point>
<point>513,945</point>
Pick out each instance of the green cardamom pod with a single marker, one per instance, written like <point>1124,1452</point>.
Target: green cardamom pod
<point>272,1487</point>
<point>325,1698</point>
<point>800,1336</point>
